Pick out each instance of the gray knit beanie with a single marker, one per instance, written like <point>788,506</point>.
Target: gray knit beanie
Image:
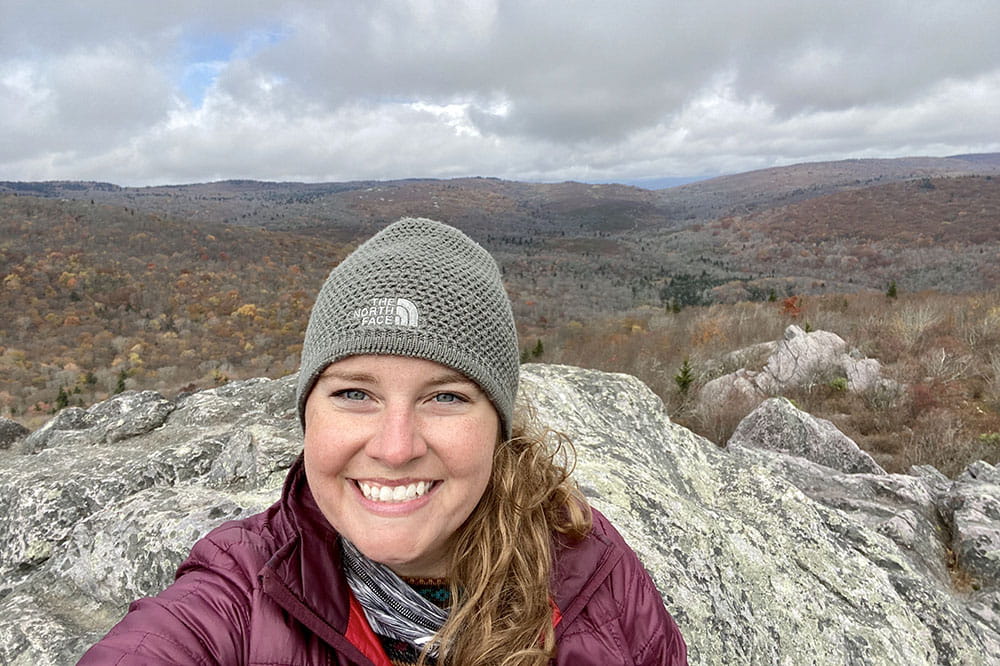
<point>417,288</point>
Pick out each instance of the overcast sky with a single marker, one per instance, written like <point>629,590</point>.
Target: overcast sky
<point>140,93</point>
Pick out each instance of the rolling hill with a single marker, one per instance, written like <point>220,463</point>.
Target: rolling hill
<point>104,287</point>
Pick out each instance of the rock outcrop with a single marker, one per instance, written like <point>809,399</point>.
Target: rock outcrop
<point>762,556</point>
<point>798,359</point>
<point>776,424</point>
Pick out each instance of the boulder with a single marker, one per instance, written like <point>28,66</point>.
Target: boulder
<point>971,508</point>
<point>736,388</point>
<point>776,424</point>
<point>755,569</point>
<point>10,432</point>
<point>801,358</point>
<point>125,415</point>
<point>863,374</point>
<point>761,556</point>
<point>798,359</point>
<point>981,471</point>
<point>901,507</point>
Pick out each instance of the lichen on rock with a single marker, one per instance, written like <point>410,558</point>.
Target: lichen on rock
<point>761,555</point>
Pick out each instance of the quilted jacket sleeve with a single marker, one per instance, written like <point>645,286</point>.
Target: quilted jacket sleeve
<point>653,635</point>
<point>613,613</point>
<point>201,619</point>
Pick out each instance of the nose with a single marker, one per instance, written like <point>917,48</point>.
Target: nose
<point>397,439</point>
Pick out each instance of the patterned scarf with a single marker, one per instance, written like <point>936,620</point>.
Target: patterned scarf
<point>393,608</point>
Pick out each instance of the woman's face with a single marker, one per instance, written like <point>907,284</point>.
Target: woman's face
<point>398,452</point>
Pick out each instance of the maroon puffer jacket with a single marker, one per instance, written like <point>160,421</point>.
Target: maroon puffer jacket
<point>269,590</point>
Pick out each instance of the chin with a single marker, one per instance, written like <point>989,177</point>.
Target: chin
<point>403,562</point>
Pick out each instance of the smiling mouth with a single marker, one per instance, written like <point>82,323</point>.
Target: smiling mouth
<point>394,494</point>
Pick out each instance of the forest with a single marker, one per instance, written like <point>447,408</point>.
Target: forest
<point>99,298</point>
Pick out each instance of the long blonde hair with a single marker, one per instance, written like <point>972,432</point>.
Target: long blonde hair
<point>502,557</point>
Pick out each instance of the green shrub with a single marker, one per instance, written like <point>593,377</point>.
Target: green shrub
<point>838,383</point>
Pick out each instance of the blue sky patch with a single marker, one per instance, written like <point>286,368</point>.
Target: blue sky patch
<point>204,56</point>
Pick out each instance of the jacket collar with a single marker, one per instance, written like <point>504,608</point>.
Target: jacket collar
<point>305,576</point>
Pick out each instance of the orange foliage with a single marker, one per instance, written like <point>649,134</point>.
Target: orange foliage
<point>248,310</point>
<point>707,331</point>
<point>89,289</point>
<point>792,307</point>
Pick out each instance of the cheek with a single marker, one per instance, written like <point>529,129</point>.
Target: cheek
<point>324,452</point>
<point>480,473</point>
<point>315,455</point>
<point>479,469</point>
<point>479,450</point>
<point>465,448</point>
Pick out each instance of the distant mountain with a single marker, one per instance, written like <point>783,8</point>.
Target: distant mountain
<point>767,188</point>
<point>930,233</point>
<point>580,248</point>
<point>980,158</point>
<point>489,206</point>
<point>481,206</point>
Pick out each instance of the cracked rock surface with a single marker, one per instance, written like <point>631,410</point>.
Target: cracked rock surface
<point>762,555</point>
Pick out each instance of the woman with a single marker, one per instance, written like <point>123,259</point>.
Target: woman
<point>422,524</point>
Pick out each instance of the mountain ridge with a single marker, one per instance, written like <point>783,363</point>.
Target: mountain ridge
<point>251,203</point>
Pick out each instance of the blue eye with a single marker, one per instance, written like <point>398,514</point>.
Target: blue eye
<point>351,394</point>
<point>447,398</point>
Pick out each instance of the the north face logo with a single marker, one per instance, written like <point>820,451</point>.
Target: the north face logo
<point>388,311</point>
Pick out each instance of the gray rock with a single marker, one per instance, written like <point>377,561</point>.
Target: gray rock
<point>129,414</point>
<point>801,358</point>
<point>249,400</point>
<point>67,421</point>
<point>798,359</point>
<point>776,424</point>
<point>736,388</point>
<point>10,432</point>
<point>173,518</point>
<point>761,556</point>
<point>972,510</point>
<point>863,374</point>
<point>929,472</point>
<point>125,415</point>
<point>754,355</point>
<point>754,569</point>
<point>981,471</point>
<point>902,507</point>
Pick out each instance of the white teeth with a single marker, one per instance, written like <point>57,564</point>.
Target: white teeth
<point>394,493</point>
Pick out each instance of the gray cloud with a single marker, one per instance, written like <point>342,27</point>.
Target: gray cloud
<point>141,93</point>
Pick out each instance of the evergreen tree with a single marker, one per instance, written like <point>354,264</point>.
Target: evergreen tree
<point>62,399</point>
<point>684,377</point>
<point>122,376</point>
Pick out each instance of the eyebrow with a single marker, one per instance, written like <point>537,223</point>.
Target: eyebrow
<point>331,373</point>
<point>451,378</point>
